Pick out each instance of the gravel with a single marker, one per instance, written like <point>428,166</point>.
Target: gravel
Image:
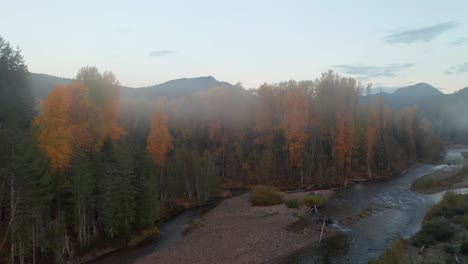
<point>236,232</point>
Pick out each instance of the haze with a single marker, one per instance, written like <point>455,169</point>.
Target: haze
<point>387,43</point>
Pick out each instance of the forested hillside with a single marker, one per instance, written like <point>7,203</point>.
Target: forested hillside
<point>89,164</point>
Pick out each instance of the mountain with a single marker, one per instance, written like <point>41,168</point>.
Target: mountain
<point>413,94</point>
<point>177,88</point>
<point>409,95</point>
<point>388,90</point>
<point>42,84</point>
<point>417,90</point>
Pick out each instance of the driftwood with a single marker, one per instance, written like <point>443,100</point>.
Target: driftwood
<point>311,209</point>
<point>421,249</point>
<point>321,232</point>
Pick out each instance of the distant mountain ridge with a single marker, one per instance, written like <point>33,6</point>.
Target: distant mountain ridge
<point>177,87</point>
<point>417,90</point>
<point>406,96</point>
<point>42,84</point>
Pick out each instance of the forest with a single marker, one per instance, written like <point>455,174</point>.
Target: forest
<point>86,164</point>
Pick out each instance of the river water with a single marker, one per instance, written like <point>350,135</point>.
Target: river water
<point>387,207</point>
<point>170,232</point>
<point>388,210</point>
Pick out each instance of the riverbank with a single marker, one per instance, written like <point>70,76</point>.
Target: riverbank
<point>453,176</point>
<point>442,239</point>
<point>235,230</point>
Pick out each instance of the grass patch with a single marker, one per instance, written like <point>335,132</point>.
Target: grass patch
<point>434,231</point>
<point>224,194</point>
<point>312,200</point>
<point>452,207</point>
<point>434,182</point>
<point>261,195</point>
<point>438,222</point>
<point>292,203</point>
<point>194,225</point>
<point>298,215</point>
<point>143,235</point>
<point>464,247</point>
<point>363,214</point>
<point>463,171</point>
<point>394,254</point>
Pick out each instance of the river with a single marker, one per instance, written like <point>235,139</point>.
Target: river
<point>388,209</point>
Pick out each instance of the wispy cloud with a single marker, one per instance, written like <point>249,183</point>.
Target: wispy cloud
<point>459,41</point>
<point>423,34</point>
<point>370,71</point>
<point>124,30</point>
<point>162,53</point>
<point>457,69</point>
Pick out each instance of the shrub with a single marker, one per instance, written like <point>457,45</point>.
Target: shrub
<point>265,195</point>
<point>433,231</point>
<point>393,254</point>
<point>449,249</point>
<point>312,200</point>
<point>292,203</point>
<point>363,214</point>
<point>464,247</point>
<point>451,205</point>
<point>465,219</point>
<point>194,225</point>
<point>298,215</point>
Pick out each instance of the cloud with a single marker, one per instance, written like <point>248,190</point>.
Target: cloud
<point>423,34</point>
<point>161,53</point>
<point>124,30</point>
<point>369,71</point>
<point>459,41</point>
<point>457,69</point>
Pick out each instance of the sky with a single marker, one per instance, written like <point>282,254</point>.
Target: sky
<point>386,43</point>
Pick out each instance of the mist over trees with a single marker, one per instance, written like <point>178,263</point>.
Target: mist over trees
<point>89,164</point>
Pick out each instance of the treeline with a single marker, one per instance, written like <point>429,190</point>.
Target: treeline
<point>87,164</point>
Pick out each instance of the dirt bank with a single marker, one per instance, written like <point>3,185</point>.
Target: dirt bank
<point>237,232</point>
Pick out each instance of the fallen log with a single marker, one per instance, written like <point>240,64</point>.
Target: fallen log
<point>421,249</point>
<point>321,232</point>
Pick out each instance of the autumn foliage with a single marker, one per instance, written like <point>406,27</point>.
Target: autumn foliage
<point>71,122</point>
<point>159,139</point>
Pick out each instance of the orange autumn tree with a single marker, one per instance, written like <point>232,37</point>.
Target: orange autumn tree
<point>160,143</point>
<point>73,122</point>
<point>295,124</point>
<point>104,93</point>
<point>160,139</point>
<point>55,129</point>
<point>344,142</point>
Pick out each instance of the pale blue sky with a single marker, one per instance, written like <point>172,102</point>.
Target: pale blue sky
<point>387,43</point>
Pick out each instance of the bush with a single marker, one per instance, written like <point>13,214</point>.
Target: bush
<point>292,203</point>
<point>464,247</point>
<point>312,200</point>
<point>298,215</point>
<point>262,195</point>
<point>393,254</point>
<point>452,205</point>
<point>465,219</point>
<point>433,231</point>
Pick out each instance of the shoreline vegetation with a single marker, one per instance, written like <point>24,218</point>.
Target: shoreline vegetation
<point>449,178</point>
<point>443,237</point>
